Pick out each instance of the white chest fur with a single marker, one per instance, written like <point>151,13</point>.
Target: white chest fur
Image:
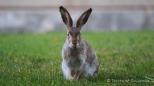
<point>76,62</point>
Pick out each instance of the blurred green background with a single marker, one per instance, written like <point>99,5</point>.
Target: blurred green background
<point>35,59</point>
<point>32,35</point>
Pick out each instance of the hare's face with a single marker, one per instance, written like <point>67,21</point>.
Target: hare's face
<point>73,37</point>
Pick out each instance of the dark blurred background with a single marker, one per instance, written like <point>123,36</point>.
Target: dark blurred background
<point>43,15</point>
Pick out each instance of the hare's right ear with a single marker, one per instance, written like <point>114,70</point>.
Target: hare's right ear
<point>66,17</point>
<point>83,18</point>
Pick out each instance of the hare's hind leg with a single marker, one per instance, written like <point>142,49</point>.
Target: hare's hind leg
<point>66,71</point>
<point>95,74</point>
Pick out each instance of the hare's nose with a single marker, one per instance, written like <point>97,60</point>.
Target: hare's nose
<point>74,44</point>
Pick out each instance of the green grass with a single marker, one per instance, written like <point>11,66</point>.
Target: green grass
<point>35,59</point>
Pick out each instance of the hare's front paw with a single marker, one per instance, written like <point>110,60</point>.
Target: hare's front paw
<point>69,77</point>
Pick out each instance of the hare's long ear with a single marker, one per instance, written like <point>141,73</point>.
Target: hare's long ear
<point>66,17</point>
<point>83,18</point>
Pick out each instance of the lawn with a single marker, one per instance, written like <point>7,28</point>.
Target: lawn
<point>126,59</point>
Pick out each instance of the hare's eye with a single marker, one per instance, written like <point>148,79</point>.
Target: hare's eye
<point>67,34</point>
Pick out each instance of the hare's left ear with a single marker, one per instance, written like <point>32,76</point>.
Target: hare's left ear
<point>83,18</point>
<point>66,17</point>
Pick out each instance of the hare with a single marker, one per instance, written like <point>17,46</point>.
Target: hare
<point>78,57</point>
